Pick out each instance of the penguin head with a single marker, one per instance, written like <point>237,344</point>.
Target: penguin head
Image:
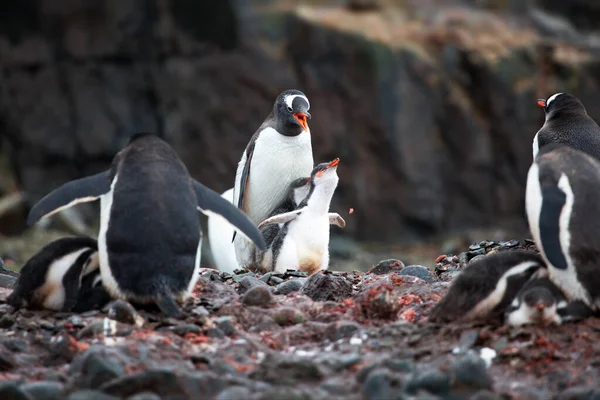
<point>291,114</point>
<point>561,103</point>
<point>325,172</point>
<point>537,306</point>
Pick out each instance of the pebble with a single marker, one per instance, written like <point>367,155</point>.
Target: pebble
<point>341,329</point>
<point>338,386</point>
<point>287,287</point>
<point>238,277</point>
<point>90,395</point>
<point>275,280</point>
<point>15,345</point>
<point>235,393</point>
<point>97,370</point>
<point>381,384</point>
<point>10,391</point>
<point>463,260</point>
<point>145,396</point>
<point>44,390</point>
<point>286,316</point>
<point>258,296</point>
<point>207,383</point>
<point>122,311</point>
<point>265,278</point>
<point>433,381</point>
<point>386,266</point>
<point>509,244</point>
<point>183,329</point>
<point>160,381</point>
<point>486,395</point>
<point>214,332</point>
<point>6,321</point>
<point>327,287</point>
<point>201,311</point>
<point>419,271</point>
<point>93,329</point>
<point>470,372</point>
<point>288,370</point>
<point>7,360</point>
<point>474,259</point>
<point>226,324</point>
<point>579,393</point>
<point>399,365</point>
<point>249,282</point>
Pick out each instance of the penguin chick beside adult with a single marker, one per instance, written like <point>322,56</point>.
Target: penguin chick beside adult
<point>302,243</point>
<point>567,122</point>
<point>541,302</point>
<point>51,279</point>
<point>150,239</point>
<point>561,201</point>
<point>278,153</point>
<point>485,287</point>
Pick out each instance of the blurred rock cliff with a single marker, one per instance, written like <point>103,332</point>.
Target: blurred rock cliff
<point>429,104</point>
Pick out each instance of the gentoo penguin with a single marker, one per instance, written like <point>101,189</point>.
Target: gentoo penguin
<point>150,240</point>
<point>92,294</point>
<point>52,278</point>
<point>219,240</point>
<point>541,302</point>
<point>302,243</point>
<point>561,200</point>
<point>567,122</point>
<point>279,152</point>
<point>485,287</point>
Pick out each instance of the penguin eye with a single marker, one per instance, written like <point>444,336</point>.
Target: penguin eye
<point>290,109</point>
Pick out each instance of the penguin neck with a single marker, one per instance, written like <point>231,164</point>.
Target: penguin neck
<point>320,198</point>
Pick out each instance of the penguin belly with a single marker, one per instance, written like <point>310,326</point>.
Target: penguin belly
<point>219,239</point>
<point>305,247</point>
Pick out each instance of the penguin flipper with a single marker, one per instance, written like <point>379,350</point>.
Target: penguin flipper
<point>280,218</point>
<point>553,201</point>
<point>574,311</point>
<point>212,204</point>
<point>336,219</point>
<point>80,190</point>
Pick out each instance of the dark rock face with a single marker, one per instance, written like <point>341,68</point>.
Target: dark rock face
<point>433,129</point>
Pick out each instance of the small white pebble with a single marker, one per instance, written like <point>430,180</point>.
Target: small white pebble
<point>456,350</point>
<point>356,341</point>
<point>487,355</point>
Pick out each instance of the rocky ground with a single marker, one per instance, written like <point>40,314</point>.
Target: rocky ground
<point>335,335</point>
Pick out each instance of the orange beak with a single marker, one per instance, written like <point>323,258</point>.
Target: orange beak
<point>302,120</point>
<point>334,163</point>
<point>540,307</point>
<point>541,102</point>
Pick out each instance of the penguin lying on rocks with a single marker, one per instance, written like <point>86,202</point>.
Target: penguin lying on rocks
<point>563,188</point>
<point>485,287</point>
<point>279,152</point>
<point>541,302</point>
<point>52,278</point>
<point>150,239</point>
<point>92,294</point>
<point>567,122</point>
<point>302,242</point>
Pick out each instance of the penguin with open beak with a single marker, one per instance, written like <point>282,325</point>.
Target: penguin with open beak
<point>150,239</point>
<point>279,152</point>
<point>567,122</point>
<point>301,237</point>
<point>561,201</point>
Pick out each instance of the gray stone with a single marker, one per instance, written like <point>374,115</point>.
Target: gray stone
<point>258,296</point>
<point>44,390</point>
<point>469,372</point>
<point>249,282</point>
<point>122,311</point>
<point>287,287</point>
<point>286,316</point>
<point>145,396</point>
<point>235,393</point>
<point>90,395</point>
<point>432,381</point>
<point>419,271</point>
<point>327,287</point>
<point>160,381</point>
<point>387,266</point>
<point>10,391</point>
<point>381,384</point>
<point>341,329</point>
<point>226,324</point>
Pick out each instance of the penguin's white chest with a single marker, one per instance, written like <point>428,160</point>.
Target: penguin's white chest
<point>306,245</point>
<point>276,162</point>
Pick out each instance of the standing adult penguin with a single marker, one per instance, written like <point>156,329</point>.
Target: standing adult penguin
<point>150,239</point>
<point>563,188</point>
<point>279,152</point>
<point>567,122</point>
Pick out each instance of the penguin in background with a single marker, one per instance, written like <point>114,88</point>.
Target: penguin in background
<point>567,122</point>
<point>302,242</point>
<point>278,153</point>
<point>541,302</point>
<point>150,239</point>
<point>486,287</point>
<point>52,278</point>
<point>561,201</point>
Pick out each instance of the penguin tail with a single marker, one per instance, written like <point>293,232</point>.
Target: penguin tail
<point>169,307</point>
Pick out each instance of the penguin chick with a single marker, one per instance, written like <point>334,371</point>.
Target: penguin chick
<point>567,122</point>
<point>563,185</point>
<point>485,287</point>
<point>150,239</point>
<point>541,302</point>
<point>92,294</point>
<point>279,152</point>
<point>52,277</point>
<point>302,242</point>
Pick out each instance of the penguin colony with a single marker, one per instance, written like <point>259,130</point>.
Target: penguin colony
<point>276,217</point>
<point>563,187</point>
<point>149,243</point>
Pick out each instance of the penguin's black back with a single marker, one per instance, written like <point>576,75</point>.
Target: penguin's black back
<point>583,173</point>
<point>568,123</point>
<point>33,273</point>
<point>154,229</point>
